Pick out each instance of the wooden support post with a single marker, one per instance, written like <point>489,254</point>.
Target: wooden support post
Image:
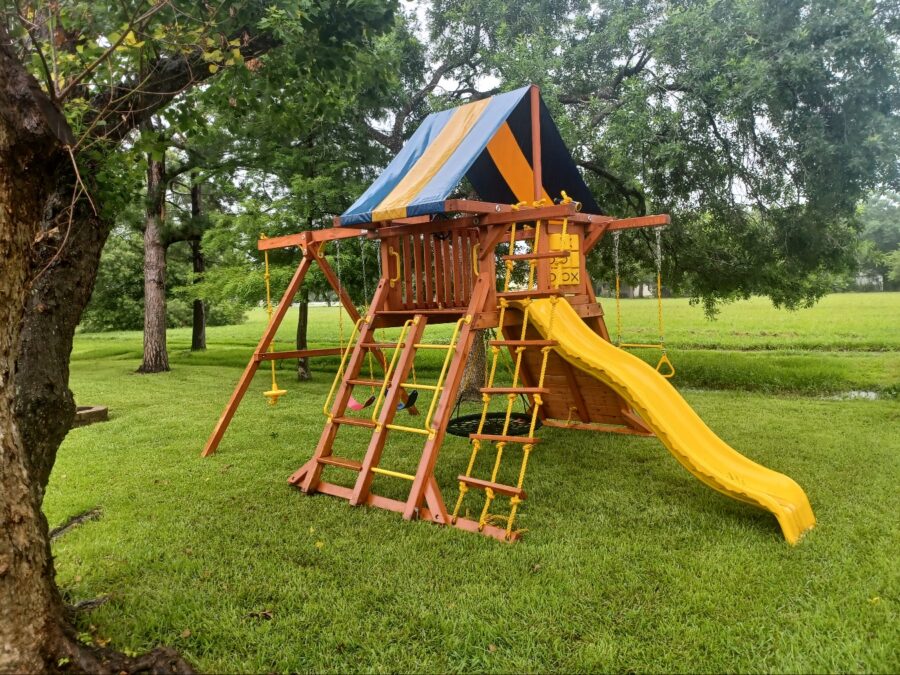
<point>264,342</point>
<point>538,186</point>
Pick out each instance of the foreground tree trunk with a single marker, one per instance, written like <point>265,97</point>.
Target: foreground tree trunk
<point>303,371</point>
<point>30,607</point>
<point>50,248</point>
<point>156,355</point>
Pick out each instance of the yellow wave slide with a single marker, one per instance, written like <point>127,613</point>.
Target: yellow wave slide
<point>676,424</point>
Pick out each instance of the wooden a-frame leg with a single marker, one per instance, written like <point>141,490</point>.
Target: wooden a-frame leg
<point>435,502</point>
<point>264,342</point>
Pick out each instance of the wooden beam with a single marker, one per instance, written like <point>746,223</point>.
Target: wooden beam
<point>304,239</point>
<point>593,236</point>
<point>538,185</point>
<point>475,206</point>
<point>301,354</point>
<point>595,426</point>
<point>641,221</point>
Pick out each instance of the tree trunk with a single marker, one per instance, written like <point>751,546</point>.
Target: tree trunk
<point>30,606</point>
<point>198,332</point>
<point>303,371</point>
<point>50,245</point>
<point>198,326</point>
<point>476,367</point>
<point>156,356</point>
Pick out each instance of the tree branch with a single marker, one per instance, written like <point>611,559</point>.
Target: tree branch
<point>634,196</point>
<point>105,55</point>
<point>133,102</point>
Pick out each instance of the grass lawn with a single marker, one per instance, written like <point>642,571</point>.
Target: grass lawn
<point>630,564</point>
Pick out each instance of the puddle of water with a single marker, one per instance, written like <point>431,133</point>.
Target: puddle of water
<point>855,395</point>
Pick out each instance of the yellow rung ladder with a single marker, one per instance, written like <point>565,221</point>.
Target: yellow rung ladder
<point>449,348</point>
<point>427,429</point>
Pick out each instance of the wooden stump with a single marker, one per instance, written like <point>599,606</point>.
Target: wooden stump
<point>88,414</point>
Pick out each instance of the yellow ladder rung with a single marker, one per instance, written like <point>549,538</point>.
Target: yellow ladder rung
<point>412,430</point>
<point>426,387</point>
<point>425,346</point>
<point>393,474</point>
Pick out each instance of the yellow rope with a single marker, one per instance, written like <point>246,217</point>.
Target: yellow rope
<point>274,393</point>
<point>664,358</point>
<point>538,402</point>
<point>495,354</point>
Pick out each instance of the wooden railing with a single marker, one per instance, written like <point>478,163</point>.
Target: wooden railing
<point>435,269</point>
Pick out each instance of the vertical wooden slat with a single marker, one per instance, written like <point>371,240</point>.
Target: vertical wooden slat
<point>453,250</point>
<point>448,271</point>
<point>438,273</point>
<point>417,257</point>
<point>463,272</point>
<point>468,241</point>
<point>429,289</point>
<point>406,278</point>
<point>456,247</point>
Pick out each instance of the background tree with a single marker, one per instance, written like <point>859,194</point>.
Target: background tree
<point>880,236</point>
<point>758,124</point>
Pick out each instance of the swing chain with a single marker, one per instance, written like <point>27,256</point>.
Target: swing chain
<point>618,300</point>
<point>658,232</point>
<point>274,393</point>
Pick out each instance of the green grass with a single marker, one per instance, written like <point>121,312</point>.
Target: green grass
<point>847,342</point>
<point>629,564</point>
<point>845,321</point>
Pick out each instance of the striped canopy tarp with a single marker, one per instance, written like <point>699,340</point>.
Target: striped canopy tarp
<point>488,141</point>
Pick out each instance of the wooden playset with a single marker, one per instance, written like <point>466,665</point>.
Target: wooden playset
<point>454,261</point>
